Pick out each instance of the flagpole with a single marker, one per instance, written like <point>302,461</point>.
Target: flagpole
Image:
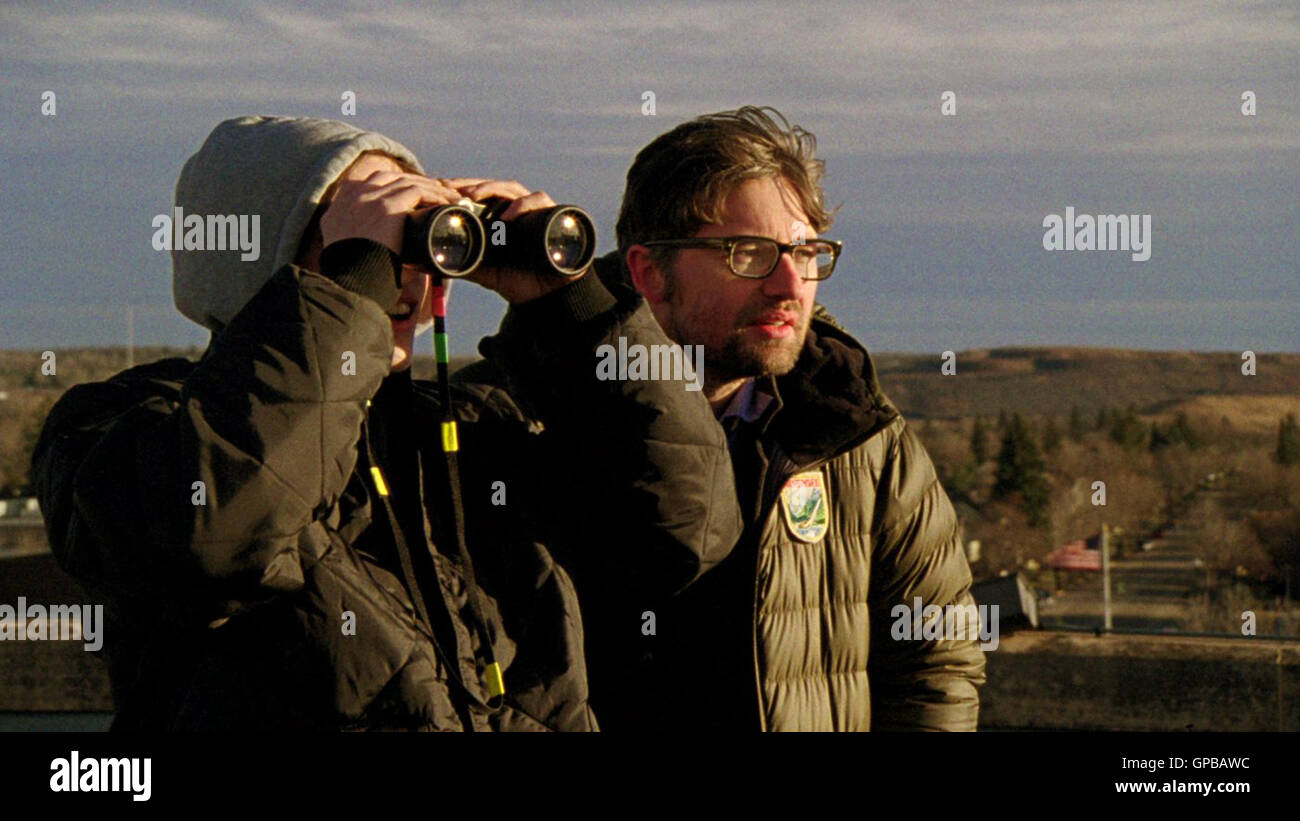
<point>130,336</point>
<point>1105,577</point>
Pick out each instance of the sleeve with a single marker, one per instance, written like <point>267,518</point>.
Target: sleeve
<point>919,683</point>
<point>194,502</point>
<point>633,488</point>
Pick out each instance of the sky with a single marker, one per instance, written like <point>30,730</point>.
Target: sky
<point>1109,108</point>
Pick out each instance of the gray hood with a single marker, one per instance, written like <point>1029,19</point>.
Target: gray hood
<point>274,167</point>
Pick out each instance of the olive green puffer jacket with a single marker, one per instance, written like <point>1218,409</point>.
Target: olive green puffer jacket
<point>794,633</point>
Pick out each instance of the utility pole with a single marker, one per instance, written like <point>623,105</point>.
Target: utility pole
<point>1107,623</point>
<point>130,336</point>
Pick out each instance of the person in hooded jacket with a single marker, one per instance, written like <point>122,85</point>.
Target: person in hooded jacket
<point>279,531</point>
<point>846,524</point>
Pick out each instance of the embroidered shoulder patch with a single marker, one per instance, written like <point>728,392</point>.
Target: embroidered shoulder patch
<point>805,504</point>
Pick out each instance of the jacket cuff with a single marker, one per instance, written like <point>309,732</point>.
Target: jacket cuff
<point>365,267</point>
<point>573,304</point>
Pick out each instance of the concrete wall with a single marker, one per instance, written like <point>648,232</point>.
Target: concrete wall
<point>1079,681</point>
<point>1037,679</point>
<point>52,676</point>
<point>45,676</point>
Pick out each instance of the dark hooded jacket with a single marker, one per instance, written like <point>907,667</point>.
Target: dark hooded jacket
<point>241,516</point>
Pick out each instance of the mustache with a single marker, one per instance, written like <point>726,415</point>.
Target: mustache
<point>788,306</point>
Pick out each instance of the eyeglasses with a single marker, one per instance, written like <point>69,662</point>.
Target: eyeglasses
<point>757,257</point>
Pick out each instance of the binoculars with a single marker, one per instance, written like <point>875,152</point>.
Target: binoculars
<point>454,239</point>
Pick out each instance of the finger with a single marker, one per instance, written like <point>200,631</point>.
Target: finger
<point>508,189</point>
<point>463,182</point>
<point>536,201</point>
<point>381,177</point>
<point>409,191</point>
<point>396,197</point>
<point>369,189</point>
<point>435,191</point>
<point>431,184</point>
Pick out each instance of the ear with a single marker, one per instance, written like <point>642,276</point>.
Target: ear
<point>646,276</point>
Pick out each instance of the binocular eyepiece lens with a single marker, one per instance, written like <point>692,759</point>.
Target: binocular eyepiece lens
<point>447,239</point>
<point>570,240</point>
<point>452,239</point>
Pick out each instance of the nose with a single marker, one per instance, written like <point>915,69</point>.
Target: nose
<point>785,280</point>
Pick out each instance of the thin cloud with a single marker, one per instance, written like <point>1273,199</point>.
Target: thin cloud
<point>1058,104</point>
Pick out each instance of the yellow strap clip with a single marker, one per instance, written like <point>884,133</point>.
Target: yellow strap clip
<point>449,441</point>
<point>380,484</point>
<point>495,683</point>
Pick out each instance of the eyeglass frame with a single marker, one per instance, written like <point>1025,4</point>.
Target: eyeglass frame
<point>729,244</point>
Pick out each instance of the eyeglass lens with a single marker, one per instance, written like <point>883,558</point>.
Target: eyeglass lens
<point>755,258</point>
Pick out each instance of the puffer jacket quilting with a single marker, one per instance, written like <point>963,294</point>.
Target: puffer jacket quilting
<point>823,609</point>
<point>824,651</point>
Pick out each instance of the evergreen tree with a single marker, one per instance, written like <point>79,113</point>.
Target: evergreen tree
<point>1051,436</point>
<point>1103,419</point>
<point>979,443</point>
<point>1020,472</point>
<point>1184,433</point>
<point>1077,427</point>
<point>1179,432</point>
<point>1288,441</point>
<point>1127,430</point>
<point>1037,498</point>
<point>1002,419</point>
<point>1160,439</point>
<point>1006,479</point>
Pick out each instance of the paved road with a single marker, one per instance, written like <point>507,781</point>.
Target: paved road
<point>1157,589</point>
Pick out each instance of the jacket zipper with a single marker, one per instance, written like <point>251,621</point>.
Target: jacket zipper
<point>770,510</point>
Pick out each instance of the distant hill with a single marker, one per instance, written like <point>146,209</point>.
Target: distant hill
<point>22,369</point>
<point>1051,380</point>
<point>27,392</point>
<point>1031,381</point>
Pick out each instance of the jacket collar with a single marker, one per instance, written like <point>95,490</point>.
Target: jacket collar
<point>831,401</point>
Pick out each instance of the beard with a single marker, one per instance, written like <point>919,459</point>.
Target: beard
<point>739,357</point>
<point>770,357</point>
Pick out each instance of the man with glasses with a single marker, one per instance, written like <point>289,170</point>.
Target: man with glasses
<point>845,520</point>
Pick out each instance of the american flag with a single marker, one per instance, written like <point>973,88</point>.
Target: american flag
<point>1080,554</point>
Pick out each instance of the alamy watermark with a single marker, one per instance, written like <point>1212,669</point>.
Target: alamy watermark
<point>77,774</point>
<point>1104,232</point>
<point>952,622</point>
<point>58,622</point>
<point>637,362</point>
<point>215,232</point>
